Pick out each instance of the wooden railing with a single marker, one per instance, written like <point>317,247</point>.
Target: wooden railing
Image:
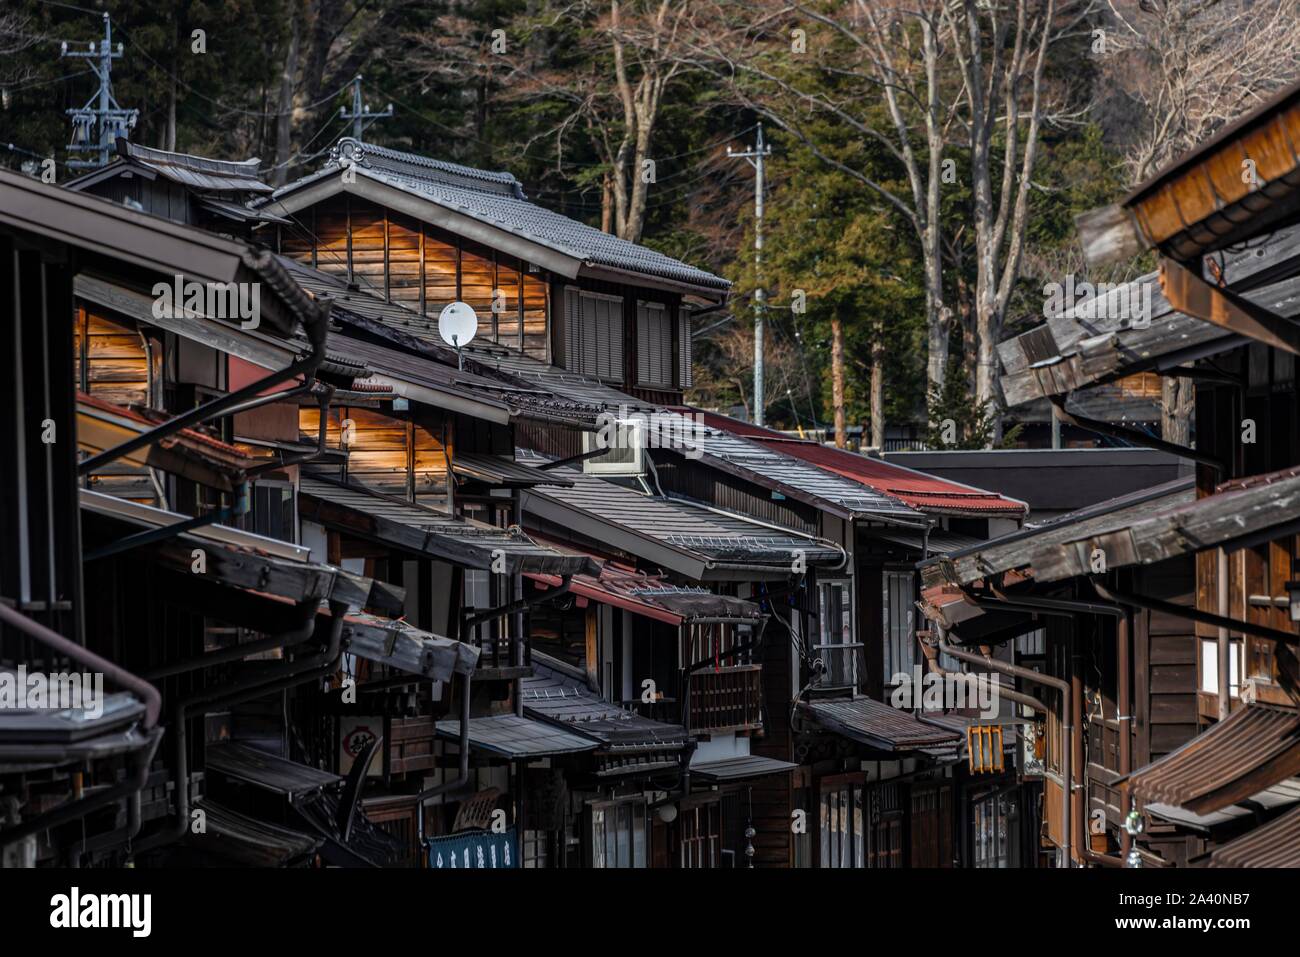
<point>727,699</point>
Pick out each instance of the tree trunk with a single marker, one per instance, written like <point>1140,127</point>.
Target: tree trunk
<point>607,205</point>
<point>877,391</point>
<point>284,108</point>
<point>837,378</point>
<point>1177,397</point>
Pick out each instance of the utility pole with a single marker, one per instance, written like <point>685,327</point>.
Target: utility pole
<point>107,118</point>
<point>755,158</point>
<point>361,116</point>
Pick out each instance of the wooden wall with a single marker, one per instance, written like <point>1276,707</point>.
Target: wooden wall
<point>424,268</point>
<point>773,797</point>
<point>388,454</point>
<point>1164,664</point>
<point>110,363</point>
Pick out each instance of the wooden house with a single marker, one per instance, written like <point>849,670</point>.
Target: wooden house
<point>1189,691</point>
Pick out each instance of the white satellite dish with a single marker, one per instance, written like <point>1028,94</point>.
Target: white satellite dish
<point>457,324</point>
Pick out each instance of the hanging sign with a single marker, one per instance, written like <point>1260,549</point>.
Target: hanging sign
<point>475,849</point>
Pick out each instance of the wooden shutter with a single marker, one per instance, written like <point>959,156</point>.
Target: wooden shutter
<point>654,345</point>
<point>572,329</point>
<point>594,350</point>
<point>642,343</point>
<point>685,357</point>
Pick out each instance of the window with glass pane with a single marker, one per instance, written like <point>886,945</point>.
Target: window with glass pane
<point>899,611</point>
<point>534,848</point>
<point>836,647</point>
<point>618,834</point>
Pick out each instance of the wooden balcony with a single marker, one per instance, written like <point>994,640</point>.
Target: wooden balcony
<point>727,699</point>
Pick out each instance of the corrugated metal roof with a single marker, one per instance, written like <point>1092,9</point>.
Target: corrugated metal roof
<point>741,768</point>
<point>768,468</point>
<point>554,695</point>
<point>653,597</point>
<point>497,199</point>
<point>511,736</point>
<point>877,725</point>
<point>926,493</point>
<point>1253,748</point>
<point>249,841</point>
<point>705,534</point>
<point>1020,549</point>
<point>499,470</point>
<point>267,771</point>
<point>409,526</point>
<point>1275,844</point>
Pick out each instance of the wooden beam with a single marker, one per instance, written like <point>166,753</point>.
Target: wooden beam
<point>1193,296</point>
<point>1133,435</point>
<point>1108,234</point>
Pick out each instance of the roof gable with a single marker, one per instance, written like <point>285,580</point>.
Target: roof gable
<point>497,200</point>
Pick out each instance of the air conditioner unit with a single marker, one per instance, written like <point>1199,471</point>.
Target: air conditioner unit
<point>625,441</point>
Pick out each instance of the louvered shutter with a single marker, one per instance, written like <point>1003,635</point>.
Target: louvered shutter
<point>572,330</point>
<point>664,329</point>
<point>611,339</point>
<point>685,357</point>
<point>642,343</point>
<point>654,345</point>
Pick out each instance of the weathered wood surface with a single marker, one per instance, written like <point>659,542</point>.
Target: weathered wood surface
<point>1069,352</point>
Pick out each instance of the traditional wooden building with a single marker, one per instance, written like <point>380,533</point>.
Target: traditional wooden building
<point>1208,694</point>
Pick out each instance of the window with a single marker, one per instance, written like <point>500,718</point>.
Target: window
<point>271,511</point>
<point>836,647</point>
<point>900,642</point>
<point>860,827</point>
<point>1210,666</point>
<point>654,345</point>
<point>618,834</point>
<point>593,334</point>
<point>842,830</point>
<point>534,848</point>
<point>992,823</point>
<point>701,830</point>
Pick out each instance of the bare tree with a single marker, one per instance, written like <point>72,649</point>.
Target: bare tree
<point>616,92</point>
<point>1181,69</point>
<point>1190,66</point>
<point>16,35</point>
<point>914,78</point>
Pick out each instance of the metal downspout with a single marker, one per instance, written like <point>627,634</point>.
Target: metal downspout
<point>111,672</point>
<point>245,398</point>
<point>254,686</point>
<point>462,776</point>
<point>1063,687</point>
<point>294,636</point>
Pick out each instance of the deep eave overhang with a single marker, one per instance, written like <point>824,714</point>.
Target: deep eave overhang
<point>309,191</point>
<point>87,222</point>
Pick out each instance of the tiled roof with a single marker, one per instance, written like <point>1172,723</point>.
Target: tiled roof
<point>918,490</point>
<point>690,529</point>
<point>752,461</point>
<point>416,528</point>
<point>199,172</point>
<point>554,694</point>
<point>497,199</point>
